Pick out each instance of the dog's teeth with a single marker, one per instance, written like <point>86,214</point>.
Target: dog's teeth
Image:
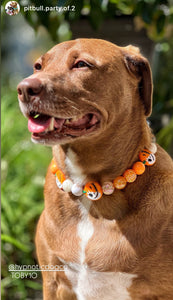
<point>74,119</point>
<point>51,126</point>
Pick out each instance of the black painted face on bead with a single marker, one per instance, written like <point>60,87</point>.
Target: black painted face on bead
<point>93,191</point>
<point>92,195</point>
<point>147,157</point>
<point>151,159</point>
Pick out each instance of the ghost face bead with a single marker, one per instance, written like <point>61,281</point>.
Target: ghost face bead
<point>93,191</point>
<point>108,188</point>
<point>147,157</point>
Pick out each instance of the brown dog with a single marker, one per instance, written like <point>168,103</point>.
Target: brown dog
<point>89,99</point>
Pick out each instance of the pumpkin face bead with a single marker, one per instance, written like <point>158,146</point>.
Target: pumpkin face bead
<point>93,191</point>
<point>60,178</point>
<point>147,157</point>
<point>130,175</point>
<point>119,182</point>
<point>138,168</point>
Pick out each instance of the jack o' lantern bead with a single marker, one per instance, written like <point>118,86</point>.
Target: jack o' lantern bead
<point>53,166</point>
<point>147,157</point>
<point>93,191</point>
<point>130,175</point>
<point>119,182</point>
<point>139,168</point>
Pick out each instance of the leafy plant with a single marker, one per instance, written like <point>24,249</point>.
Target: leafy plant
<point>155,15</point>
<point>24,164</point>
<point>22,196</point>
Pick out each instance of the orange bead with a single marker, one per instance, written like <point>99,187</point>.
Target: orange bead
<point>119,182</point>
<point>53,166</point>
<point>130,175</point>
<point>93,191</point>
<point>139,168</point>
<point>60,178</point>
<point>147,157</point>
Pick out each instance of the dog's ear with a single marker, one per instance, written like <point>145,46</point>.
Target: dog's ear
<point>140,67</point>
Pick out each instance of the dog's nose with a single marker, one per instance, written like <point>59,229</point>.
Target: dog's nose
<point>29,88</point>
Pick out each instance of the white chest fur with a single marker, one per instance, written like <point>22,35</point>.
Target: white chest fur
<point>75,171</point>
<point>89,284</point>
<point>92,285</point>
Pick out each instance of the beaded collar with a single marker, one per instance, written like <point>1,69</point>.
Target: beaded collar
<point>93,190</point>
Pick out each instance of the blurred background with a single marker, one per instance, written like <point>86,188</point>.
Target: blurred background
<point>147,24</point>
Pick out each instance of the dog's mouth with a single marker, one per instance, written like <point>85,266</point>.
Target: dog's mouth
<point>48,127</point>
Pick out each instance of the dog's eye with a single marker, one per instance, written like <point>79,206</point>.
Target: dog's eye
<point>81,64</point>
<point>37,66</point>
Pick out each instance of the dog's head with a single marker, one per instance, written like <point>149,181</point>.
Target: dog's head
<point>13,4</point>
<point>81,87</point>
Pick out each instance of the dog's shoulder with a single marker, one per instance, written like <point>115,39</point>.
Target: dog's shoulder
<point>164,160</point>
<point>164,171</point>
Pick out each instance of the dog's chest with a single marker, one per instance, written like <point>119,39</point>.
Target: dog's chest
<point>95,271</point>
<point>91,275</point>
<point>92,285</point>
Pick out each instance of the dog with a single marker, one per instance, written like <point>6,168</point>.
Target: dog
<point>9,10</point>
<point>12,9</point>
<point>108,218</point>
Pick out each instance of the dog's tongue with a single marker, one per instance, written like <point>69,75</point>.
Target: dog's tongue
<point>39,124</point>
<point>44,123</point>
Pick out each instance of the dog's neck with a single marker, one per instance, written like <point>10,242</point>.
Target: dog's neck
<point>102,158</point>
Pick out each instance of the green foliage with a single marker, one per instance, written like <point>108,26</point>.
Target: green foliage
<point>162,115</point>
<point>165,137</point>
<point>24,164</point>
<point>22,196</point>
<point>154,15</point>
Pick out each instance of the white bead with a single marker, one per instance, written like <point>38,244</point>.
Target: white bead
<point>67,185</point>
<point>76,190</point>
<point>153,148</point>
<point>108,188</point>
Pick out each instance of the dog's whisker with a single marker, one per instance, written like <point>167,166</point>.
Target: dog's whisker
<point>71,102</point>
<point>75,108</point>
